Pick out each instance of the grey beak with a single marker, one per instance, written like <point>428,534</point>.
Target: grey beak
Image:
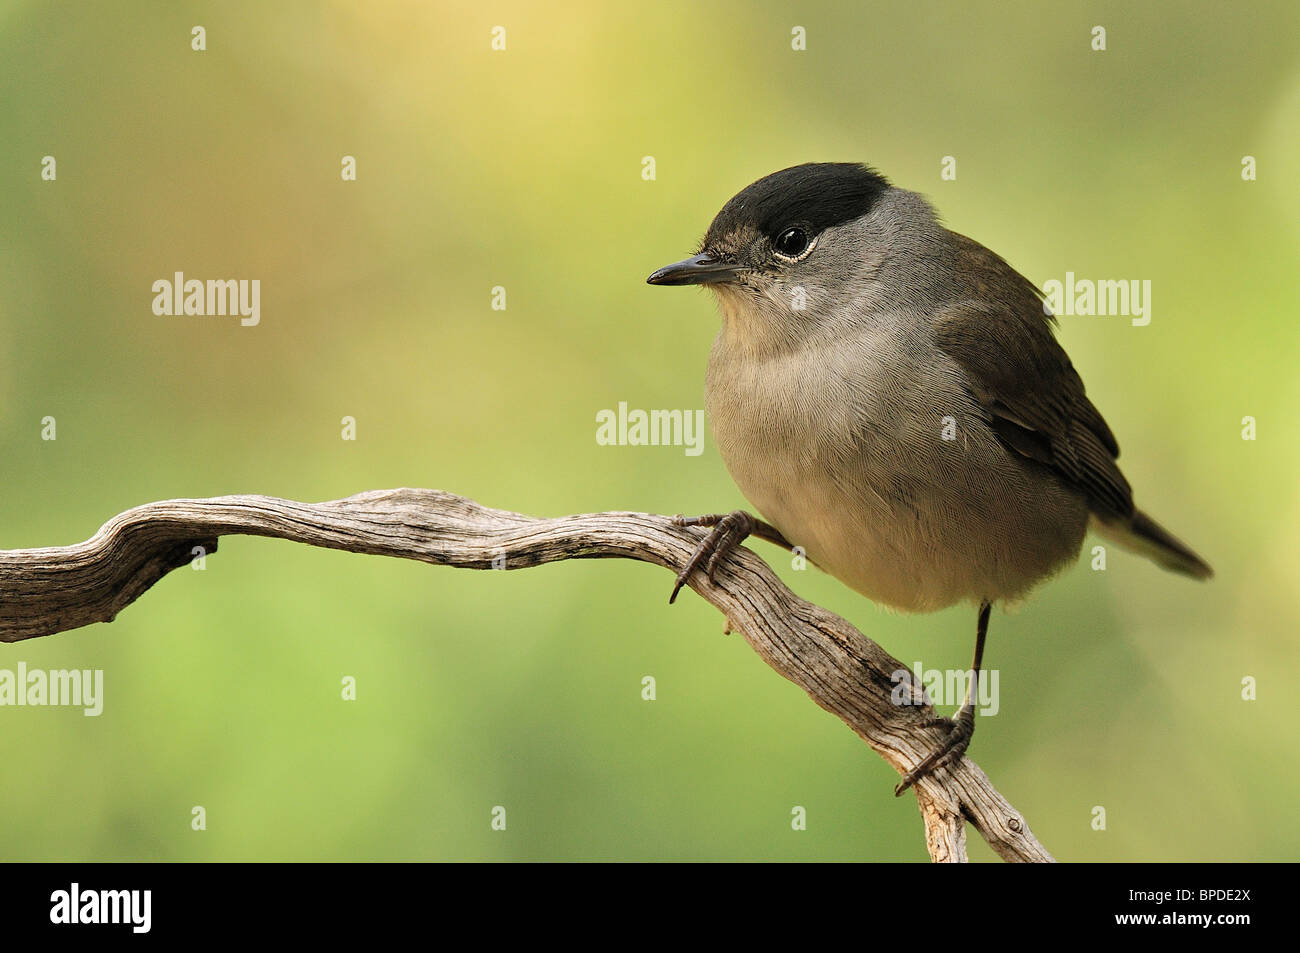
<point>699,270</point>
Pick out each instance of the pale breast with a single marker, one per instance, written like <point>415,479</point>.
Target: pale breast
<point>887,475</point>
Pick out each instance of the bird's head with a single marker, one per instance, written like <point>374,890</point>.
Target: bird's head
<point>785,251</point>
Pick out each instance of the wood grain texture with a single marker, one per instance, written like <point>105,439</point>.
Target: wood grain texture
<point>49,590</point>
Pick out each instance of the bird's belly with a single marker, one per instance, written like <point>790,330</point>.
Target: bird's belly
<point>893,557</point>
<point>916,523</point>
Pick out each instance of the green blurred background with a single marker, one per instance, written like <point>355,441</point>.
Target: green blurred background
<point>522,169</point>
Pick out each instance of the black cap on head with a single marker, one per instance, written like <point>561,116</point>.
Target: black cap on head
<point>816,194</point>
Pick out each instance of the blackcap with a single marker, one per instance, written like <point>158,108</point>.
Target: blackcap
<point>889,395</point>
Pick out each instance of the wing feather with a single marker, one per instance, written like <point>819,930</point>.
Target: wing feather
<point>1035,401</point>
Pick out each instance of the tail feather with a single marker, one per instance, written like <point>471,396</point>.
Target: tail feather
<point>1143,535</point>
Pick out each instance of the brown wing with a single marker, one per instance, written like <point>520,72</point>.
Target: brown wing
<point>1002,338</point>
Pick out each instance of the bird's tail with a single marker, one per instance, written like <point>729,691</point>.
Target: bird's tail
<point>1144,536</point>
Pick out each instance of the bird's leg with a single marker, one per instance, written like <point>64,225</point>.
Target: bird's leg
<point>962,725</point>
<point>729,531</point>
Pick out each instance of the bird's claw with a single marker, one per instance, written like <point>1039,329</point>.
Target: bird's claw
<point>729,531</point>
<point>954,745</point>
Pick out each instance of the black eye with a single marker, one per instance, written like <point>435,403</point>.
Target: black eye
<point>792,242</point>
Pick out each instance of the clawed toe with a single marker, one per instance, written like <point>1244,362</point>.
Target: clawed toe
<point>729,531</point>
<point>954,745</point>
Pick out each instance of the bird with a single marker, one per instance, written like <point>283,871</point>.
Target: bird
<point>890,396</point>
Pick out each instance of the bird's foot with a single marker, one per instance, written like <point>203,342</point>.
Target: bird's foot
<point>729,531</point>
<point>960,730</point>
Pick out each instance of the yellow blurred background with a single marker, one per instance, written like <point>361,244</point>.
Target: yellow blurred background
<point>522,168</point>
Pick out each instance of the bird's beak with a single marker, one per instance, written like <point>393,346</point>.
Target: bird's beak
<point>699,270</point>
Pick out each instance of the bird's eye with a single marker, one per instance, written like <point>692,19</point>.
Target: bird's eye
<point>792,244</point>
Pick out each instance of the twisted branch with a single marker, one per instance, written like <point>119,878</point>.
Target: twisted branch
<point>43,591</point>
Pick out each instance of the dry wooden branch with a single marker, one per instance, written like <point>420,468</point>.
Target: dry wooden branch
<point>43,591</point>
